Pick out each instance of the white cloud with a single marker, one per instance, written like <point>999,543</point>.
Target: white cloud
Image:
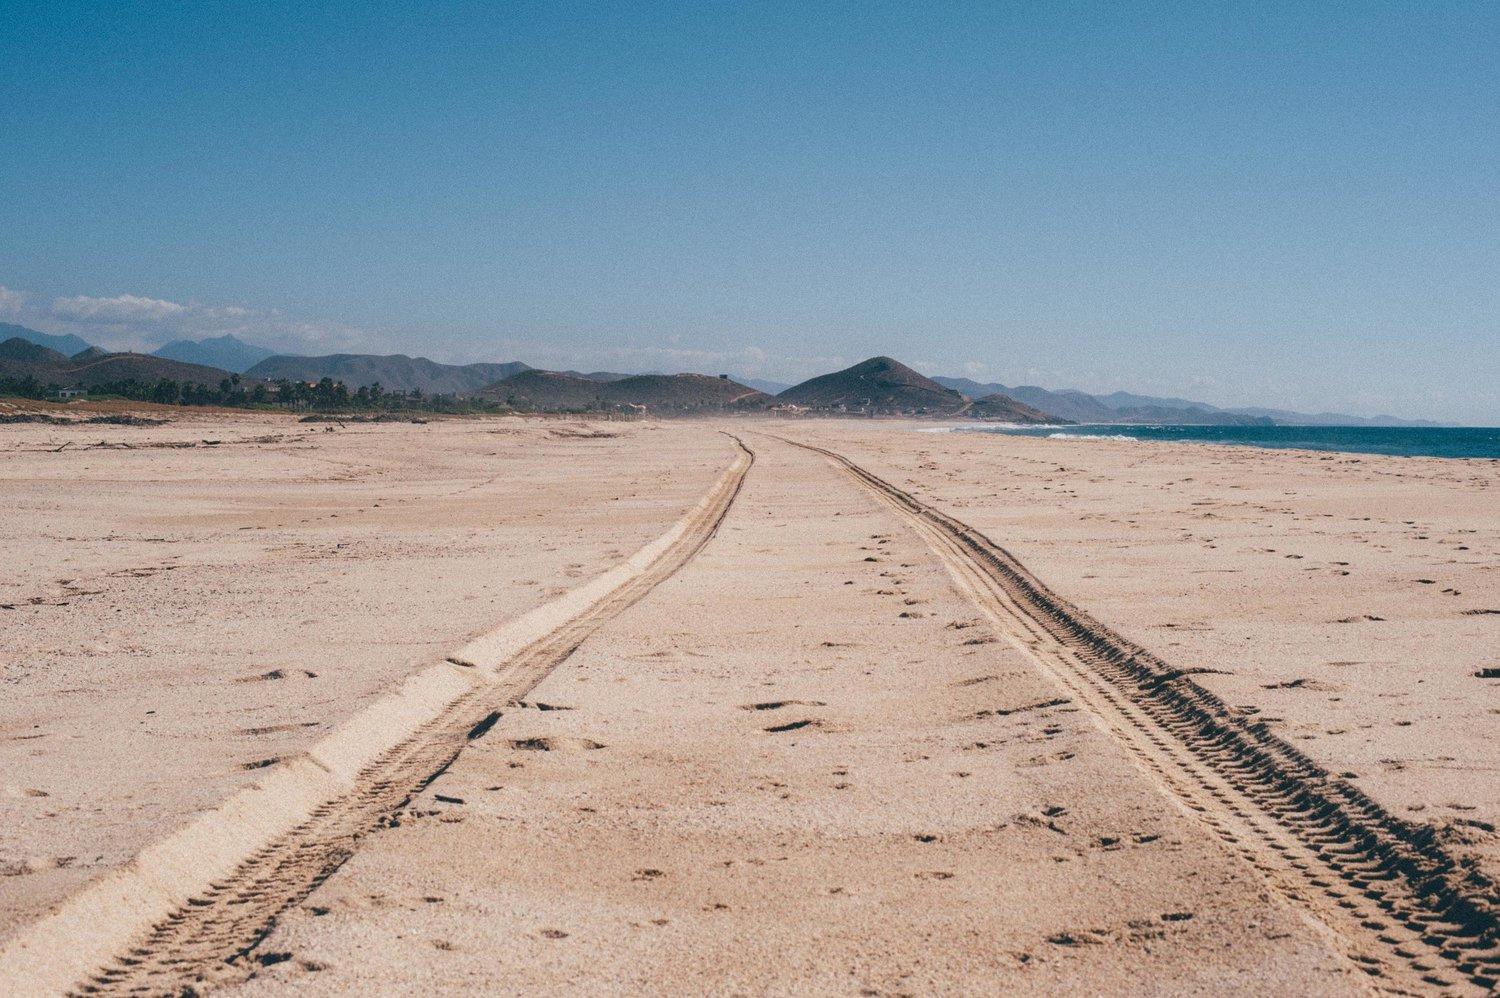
<point>12,303</point>
<point>135,322</point>
<point>121,309</point>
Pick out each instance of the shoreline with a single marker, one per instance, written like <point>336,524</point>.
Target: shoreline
<point>1483,438</point>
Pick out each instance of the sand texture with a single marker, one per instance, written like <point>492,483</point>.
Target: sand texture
<point>884,712</point>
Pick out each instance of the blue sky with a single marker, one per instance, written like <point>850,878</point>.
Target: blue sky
<point>1292,205</point>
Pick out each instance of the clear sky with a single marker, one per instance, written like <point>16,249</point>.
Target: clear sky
<point>1246,203</point>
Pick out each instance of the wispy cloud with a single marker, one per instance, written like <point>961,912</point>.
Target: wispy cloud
<point>136,322</point>
<point>12,303</point>
<point>117,311</point>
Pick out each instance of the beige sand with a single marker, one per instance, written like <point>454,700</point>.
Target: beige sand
<point>941,812</point>
<point>177,618</point>
<point>1268,567</point>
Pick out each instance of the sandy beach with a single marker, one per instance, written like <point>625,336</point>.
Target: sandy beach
<point>1169,717</point>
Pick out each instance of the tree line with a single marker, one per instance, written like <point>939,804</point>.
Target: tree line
<point>327,394</point>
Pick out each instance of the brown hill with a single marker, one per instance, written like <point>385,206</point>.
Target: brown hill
<point>544,391</point>
<point>16,348</point>
<point>143,368</point>
<point>1005,409</point>
<point>394,372</point>
<point>682,391</point>
<point>19,358</point>
<point>551,391</point>
<point>878,386</point>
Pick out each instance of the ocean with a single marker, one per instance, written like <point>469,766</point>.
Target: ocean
<point>1399,441</point>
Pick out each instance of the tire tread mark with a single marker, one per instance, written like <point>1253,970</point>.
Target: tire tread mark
<point>211,941</point>
<point>1388,884</point>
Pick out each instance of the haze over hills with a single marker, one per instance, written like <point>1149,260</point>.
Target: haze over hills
<point>66,345</point>
<point>1127,407</point>
<point>764,385</point>
<point>228,352</point>
<point>394,372</point>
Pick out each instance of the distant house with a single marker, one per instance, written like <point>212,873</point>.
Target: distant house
<point>68,394</point>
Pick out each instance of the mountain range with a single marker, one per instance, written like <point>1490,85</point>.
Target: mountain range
<point>394,372</point>
<point>1126,407</point>
<point>879,385</point>
<point>90,367</point>
<point>66,345</point>
<point>227,352</point>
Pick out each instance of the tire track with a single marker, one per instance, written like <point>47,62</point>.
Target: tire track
<point>211,939</point>
<point>1392,899</point>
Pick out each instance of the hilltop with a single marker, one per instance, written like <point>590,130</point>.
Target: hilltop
<point>227,352</point>
<point>878,386</point>
<point>17,352</point>
<point>66,345</point>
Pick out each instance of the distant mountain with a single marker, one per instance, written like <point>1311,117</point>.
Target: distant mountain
<point>1125,407</point>
<point>227,352</point>
<point>1125,400</point>
<point>20,358</point>
<point>1287,418</point>
<point>1166,416</point>
<point>1070,405</point>
<point>66,345</point>
<point>1005,409</point>
<point>878,386</point>
<point>769,387</point>
<point>1122,407</point>
<point>395,372</point>
<point>545,391</point>
<point>17,350</point>
<point>596,375</point>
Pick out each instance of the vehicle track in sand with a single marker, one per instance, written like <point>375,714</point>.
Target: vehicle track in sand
<point>211,939</point>
<point>1393,900</point>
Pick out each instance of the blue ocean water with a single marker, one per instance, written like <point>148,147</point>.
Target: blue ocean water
<point>1400,441</point>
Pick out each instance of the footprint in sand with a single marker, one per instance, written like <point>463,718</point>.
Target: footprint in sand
<point>556,744</point>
